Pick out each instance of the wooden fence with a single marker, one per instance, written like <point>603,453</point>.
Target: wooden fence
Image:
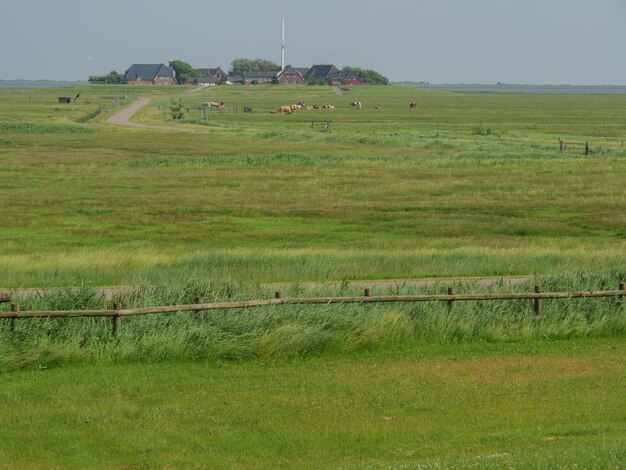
<point>117,312</point>
<point>564,145</point>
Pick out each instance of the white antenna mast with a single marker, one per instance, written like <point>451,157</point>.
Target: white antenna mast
<point>282,49</point>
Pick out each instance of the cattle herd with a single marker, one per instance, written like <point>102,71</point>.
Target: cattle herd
<point>290,109</point>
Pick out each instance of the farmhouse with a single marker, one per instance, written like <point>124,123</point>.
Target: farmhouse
<point>332,75</point>
<point>344,77</point>
<point>150,74</point>
<point>292,76</point>
<point>210,76</point>
<point>322,72</point>
<point>259,77</point>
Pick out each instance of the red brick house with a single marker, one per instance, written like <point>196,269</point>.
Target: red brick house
<point>322,72</point>
<point>333,76</point>
<point>292,76</point>
<point>150,74</point>
<point>344,77</point>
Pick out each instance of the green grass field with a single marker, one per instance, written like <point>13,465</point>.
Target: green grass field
<point>467,185</point>
<point>547,405</point>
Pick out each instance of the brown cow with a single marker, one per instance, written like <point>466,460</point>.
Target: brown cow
<point>212,105</point>
<point>283,109</point>
<point>413,105</point>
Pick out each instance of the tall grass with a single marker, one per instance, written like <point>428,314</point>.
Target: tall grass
<point>297,331</point>
<point>37,128</point>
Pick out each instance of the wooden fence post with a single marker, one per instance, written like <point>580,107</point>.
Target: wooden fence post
<point>12,324</point>
<point>278,295</point>
<point>537,302</point>
<point>200,300</point>
<point>367,292</point>
<point>450,302</point>
<point>561,145</point>
<point>620,298</point>
<point>116,319</point>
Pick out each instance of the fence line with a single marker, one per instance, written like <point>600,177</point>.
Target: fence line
<point>117,312</point>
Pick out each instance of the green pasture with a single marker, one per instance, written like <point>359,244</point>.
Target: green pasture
<point>469,184</point>
<point>548,405</point>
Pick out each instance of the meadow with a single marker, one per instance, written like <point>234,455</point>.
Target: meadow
<point>467,185</point>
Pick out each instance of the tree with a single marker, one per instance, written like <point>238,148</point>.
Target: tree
<point>184,71</point>
<point>112,77</point>
<point>239,66</point>
<point>311,80</point>
<point>368,76</point>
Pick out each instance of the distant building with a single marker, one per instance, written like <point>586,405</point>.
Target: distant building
<point>150,74</point>
<point>333,76</point>
<point>235,79</point>
<point>210,76</point>
<point>292,76</point>
<point>259,77</point>
<point>322,72</point>
<point>344,77</point>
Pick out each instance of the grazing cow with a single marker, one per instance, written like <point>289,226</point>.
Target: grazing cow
<point>377,106</point>
<point>283,109</point>
<point>356,104</point>
<point>212,105</point>
<point>413,105</point>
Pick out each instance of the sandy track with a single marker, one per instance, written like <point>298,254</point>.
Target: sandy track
<point>123,118</point>
<point>379,285</point>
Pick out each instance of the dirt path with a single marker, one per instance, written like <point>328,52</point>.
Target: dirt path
<point>199,88</point>
<point>123,118</point>
<point>379,285</point>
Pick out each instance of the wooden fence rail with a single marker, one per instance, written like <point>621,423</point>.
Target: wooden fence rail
<point>564,145</point>
<point>5,297</point>
<point>117,312</point>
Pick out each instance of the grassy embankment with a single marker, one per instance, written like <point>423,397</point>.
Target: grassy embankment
<point>467,185</point>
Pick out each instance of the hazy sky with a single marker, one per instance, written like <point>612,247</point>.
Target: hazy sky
<point>453,41</point>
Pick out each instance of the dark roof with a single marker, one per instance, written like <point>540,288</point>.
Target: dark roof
<point>148,71</point>
<point>292,71</point>
<point>344,74</point>
<point>321,71</point>
<point>302,70</point>
<point>253,75</point>
<point>209,72</point>
<point>208,75</point>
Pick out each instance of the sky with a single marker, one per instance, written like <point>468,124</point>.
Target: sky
<point>579,42</point>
